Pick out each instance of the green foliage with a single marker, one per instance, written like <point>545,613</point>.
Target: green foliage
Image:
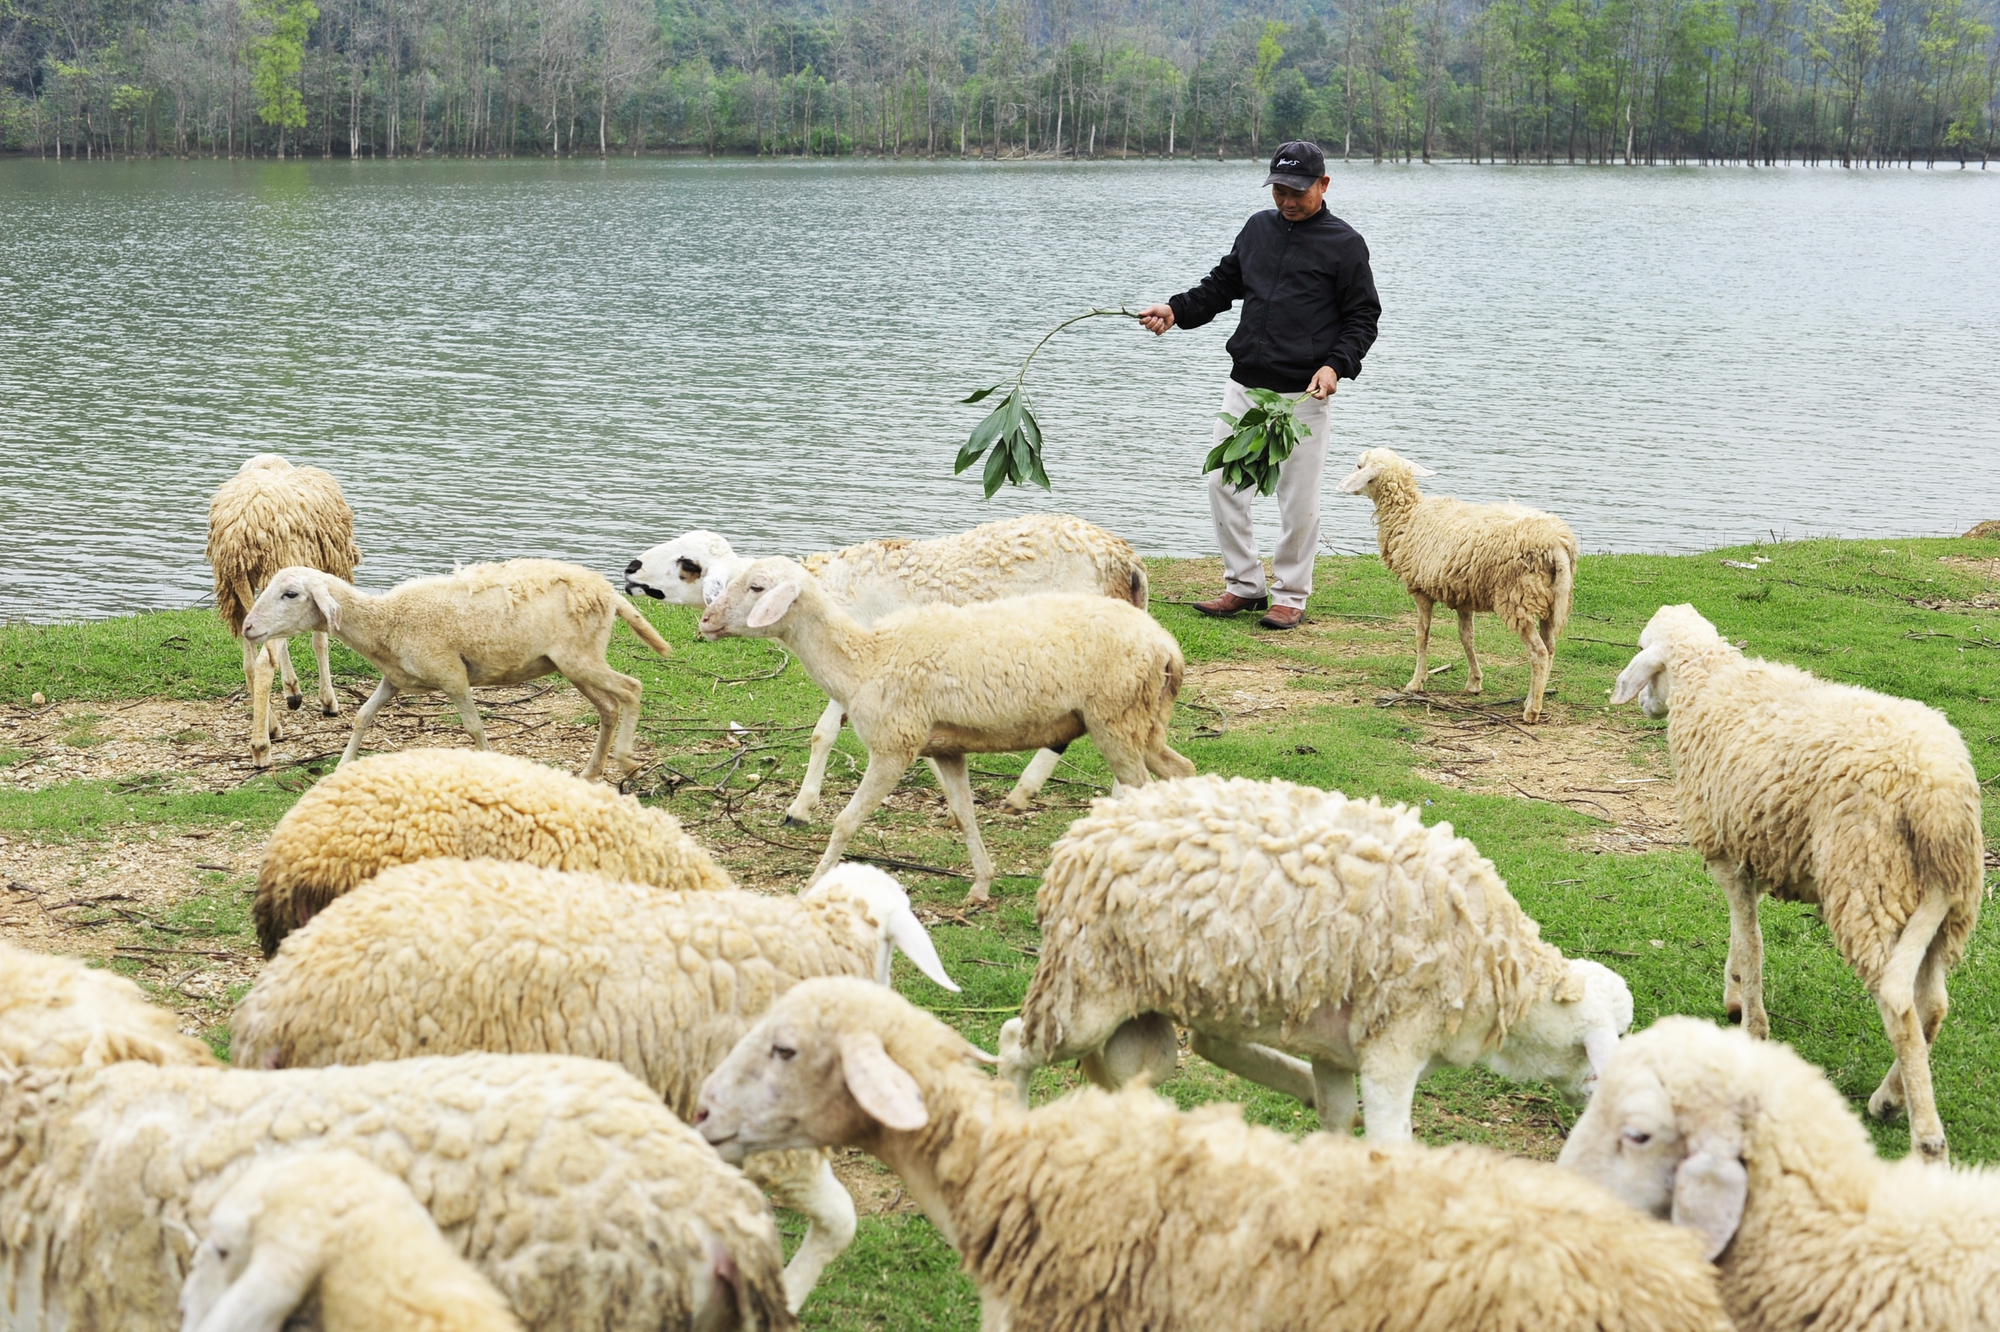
<point>1010,429</point>
<point>1259,441</point>
<point>275,57</point>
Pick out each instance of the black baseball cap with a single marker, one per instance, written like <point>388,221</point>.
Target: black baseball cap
<point>1297,165</point>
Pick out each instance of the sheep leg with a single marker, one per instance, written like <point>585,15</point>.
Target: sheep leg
<point>616,697</point>
<point>329,702</point>
<point>1260,1064</point>
<point>1743,990</point>
<point>1016,1064</point>
<point>1472,677</point>
<point>950,814</point>
<point>800,811</point>
<point>1416,684</point>
<point>1037,772</point>
<point>1333,1097</point>
<point>257,683</point>
<point>828,1208</point>
<point>885,769</point>
<point>958,797</point>
<point>281,649</point>
<point>1539,661</point>
<point>1388,1088</point>
<point>1144,1045</point>
<point>607,718</point>
<point>366,718</point>
<point>1896,995</point>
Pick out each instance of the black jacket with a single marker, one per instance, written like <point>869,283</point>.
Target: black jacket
<point>1308,300</point>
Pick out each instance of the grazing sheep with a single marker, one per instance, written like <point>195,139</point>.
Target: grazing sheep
<point>1826,793</point>
<point>488,624</point>
<point>1750,1146</point>
<point>1110,1211</point>
<point>329,1227</point>
<point>1043,552</point>
<point>391,809</point>
<point>449,956</point>
<point>564,1181</point>
<point>1263,914</point>
<point>947,681</point>
<point>1515,561</point>
<point>266,517</point>
<point>57,1013</point>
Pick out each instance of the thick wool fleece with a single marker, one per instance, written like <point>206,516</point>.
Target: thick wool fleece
<point>1262,903</point>
<point>1833,1238</point>
<point>392,809</point>
<point>564,1181</point>
<point>57,1013</point>
<point>1044,552</point>
<point>1103,1213</point>
<point>270,516</point>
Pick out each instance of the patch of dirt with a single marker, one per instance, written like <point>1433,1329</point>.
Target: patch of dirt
<point>1988,569</point>
<point>876,1190</point>
<point>1228,694</point>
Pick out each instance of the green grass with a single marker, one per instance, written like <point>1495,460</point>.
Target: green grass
<point>1847,610</point>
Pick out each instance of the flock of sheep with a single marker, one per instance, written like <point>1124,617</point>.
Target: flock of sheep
<point>517,1033</point>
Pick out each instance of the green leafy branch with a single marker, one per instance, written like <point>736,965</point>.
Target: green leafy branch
<point>1259,441</point>
<point>1010,430</point>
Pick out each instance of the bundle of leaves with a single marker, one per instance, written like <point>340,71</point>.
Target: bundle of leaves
<point>1010,430</point>
<point>1259,441</point>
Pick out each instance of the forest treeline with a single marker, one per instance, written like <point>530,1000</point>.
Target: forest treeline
<point>1634,81</point>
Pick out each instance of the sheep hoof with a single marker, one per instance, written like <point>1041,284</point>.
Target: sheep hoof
<point>1415,686</point>
<point>794,821</point>
<point>1531,714</point>
<point>1474,687</point>
<point>1017,801</point>
<point>293,702</point>
<point>978,894</point>
<point>1886,1103</point>
<point>260,758</point>
<point>1933,1148</point>
<point>329,709</point>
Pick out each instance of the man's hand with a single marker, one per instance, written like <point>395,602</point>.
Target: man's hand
<point>1157,319</point>
<point>1325,382</point>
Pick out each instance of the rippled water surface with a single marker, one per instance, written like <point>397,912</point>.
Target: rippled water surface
<point>579,359</point>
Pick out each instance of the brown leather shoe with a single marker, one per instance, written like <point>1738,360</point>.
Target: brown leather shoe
<point>1283,617</point>
<point>1229,603</point>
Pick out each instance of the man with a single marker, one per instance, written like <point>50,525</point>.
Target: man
<point>1309,312</point>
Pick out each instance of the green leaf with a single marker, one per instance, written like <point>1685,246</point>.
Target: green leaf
<point>982,393</point>
<point>981,438</point>
<point>996,469</point>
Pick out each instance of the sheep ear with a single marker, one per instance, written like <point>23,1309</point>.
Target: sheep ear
<point>1710,1188</point>
<point>1357,480</point>
<point>328,607</point>
<point>1599,1044</point>
<point>261,1298</point>
<point>771,607</point>
<point>879,1084</point>
<point>1642,668</point>
<point>907,933</point>
<point>1417,469</point>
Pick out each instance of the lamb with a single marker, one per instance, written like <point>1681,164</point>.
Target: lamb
<point>449,956</point>
<point>947,681</point>
<point>1107,1211</point>
<point>1515,561</point>
<point>1754,1150</point>
<point>1263,914</point>
<point>564,1181</point>
<point>1826,793</point>
<point>390,809</point>
<point>488,624</point>
<point>1050,552</point>
<point>328,1224</point>
<point>267,516</point>
<point>57,1013</point>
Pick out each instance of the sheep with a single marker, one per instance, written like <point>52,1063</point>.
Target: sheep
<point>1753,1149</point>
<point>449,956</point>
<point>57,1013</point>
<point>1506,558</point>
<point>271,514</point>
<point>947,681</point>
<point>487,624</point>
<point>564,1181</point>
<point>1049,552</point>
<point>1827,793</point>
<point>390,809</point>
<point>329,1227</point>
<point>1109,1211</point>
<point>1264,914</point>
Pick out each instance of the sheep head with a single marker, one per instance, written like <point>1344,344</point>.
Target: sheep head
<point>755,600</point>
<point>888,906</point>
<point>682,570</point>
<point>1569,1035</point>
<point>1648,677</point>
<point>1384,468</point>
<point>297,601</point>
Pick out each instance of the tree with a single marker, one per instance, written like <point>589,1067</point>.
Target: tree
<point>1269,53</point>
<point>276,55</point>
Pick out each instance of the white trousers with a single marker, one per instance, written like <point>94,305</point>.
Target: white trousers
<point>1298,510</point>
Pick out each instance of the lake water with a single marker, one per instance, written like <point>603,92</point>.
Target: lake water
<point>579,359</point>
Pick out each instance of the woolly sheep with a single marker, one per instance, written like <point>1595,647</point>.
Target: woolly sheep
<point>1515,561</point>
<point>1263,914</point>
<point>565,1181</point>
<point>487,624</point>
<point>1826,793</point>
<point>391,809</point>
<point>449,956</point>
<point>57,1013</point>
<point>1110,1211</point>
<point>267,516</point>
<point>1750,1146</point>
<point>1043,552</point>
<point>947,681</point>
<point>328,1226</point>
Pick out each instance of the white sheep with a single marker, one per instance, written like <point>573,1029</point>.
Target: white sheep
<point>1515,561</point>
<point>57,1013</point>
<point>488,624</point>
<point>1263,914</point>
<point>1826,793</point>
<point>268,516</point>
<point>947,681</point>
<point>1106,1211</point>
<point>391,809</point>
<point>329,1227</point>
<point>1750,1146</point>
<point>564,1181</point>
<point>1011,557</point>
<point>448,956</point>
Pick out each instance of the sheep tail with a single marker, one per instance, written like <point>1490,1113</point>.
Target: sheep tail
<point>1949,849</point>
<point>640,625</point>
<point>1565,588</point>
<point>235,607</point>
